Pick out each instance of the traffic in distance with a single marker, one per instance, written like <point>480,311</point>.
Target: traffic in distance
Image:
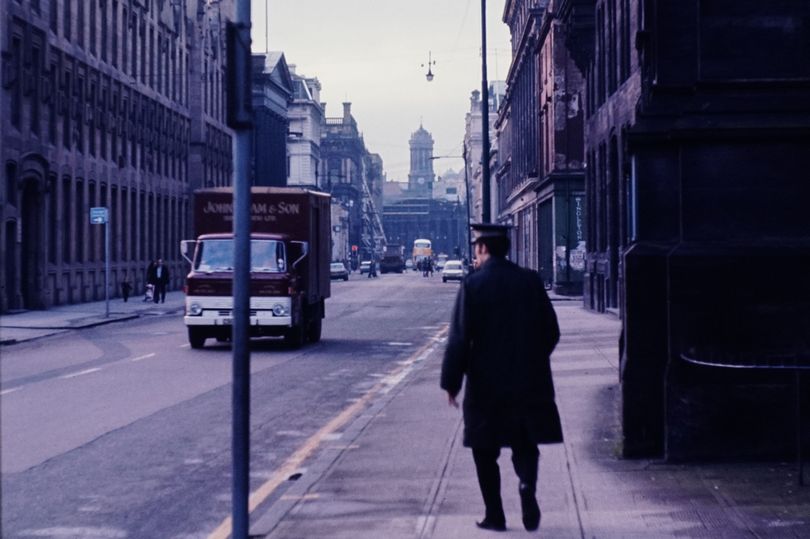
<point>291,270</point>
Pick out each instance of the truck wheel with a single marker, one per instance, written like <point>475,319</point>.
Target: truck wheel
<point>196,337</point>
<point>314,329</point>
<point>294,337</point>
<point>346,278</point>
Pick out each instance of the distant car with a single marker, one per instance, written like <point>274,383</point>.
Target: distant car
<point>453,271</point>
<point>338,271</point>
<point>365,266</point>
<point>409,264</point>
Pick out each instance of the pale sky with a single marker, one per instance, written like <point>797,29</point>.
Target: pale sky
<point>369,52</point>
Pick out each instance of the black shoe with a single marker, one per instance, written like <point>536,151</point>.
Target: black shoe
<point>531,511</point>
<point>493,525</point>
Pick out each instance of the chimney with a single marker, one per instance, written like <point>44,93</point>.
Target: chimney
<point>291,67</point>
<point>347,112</point>
<point>475,100</point>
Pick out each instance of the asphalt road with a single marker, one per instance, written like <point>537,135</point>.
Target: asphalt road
<point>124,431</point>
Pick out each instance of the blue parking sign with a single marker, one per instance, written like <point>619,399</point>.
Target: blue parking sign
<point>98,216</point>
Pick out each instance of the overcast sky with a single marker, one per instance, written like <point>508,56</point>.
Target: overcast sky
<point>369,52</point>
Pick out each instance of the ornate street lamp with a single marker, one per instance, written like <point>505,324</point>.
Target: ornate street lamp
<point>431,62</point>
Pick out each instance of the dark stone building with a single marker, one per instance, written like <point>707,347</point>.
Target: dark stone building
<point>697,131</point>
<point>440,221</point>
<point>101,107</point>
<point>354,178</point>
<point>272,94</point>
<point>540,164</point>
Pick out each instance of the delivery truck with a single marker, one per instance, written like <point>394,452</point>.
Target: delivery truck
<point>394,258</point>
<point>290,244</point>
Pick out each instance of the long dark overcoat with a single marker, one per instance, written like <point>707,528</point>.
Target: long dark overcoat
<point>501,336</point>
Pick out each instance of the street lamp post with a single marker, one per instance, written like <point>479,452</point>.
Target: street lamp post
<point>485,215</point>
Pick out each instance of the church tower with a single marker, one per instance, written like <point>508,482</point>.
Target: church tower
<point>421,176</point>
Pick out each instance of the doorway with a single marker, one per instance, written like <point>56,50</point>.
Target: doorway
<point>31,255</point>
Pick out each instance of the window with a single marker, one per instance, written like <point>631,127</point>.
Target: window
<point>67,17</point>
<point>53,225</point>
<point>124,38</point>
<point>53,13</point>
<point>102,5</point>
<point>116,223</point>
<point>53,75</point>
<point>90,107</point>
<point>67,194</point>
<point>65,105</point>
<point>115,33</point>
<point>144,52</point>
<point>16,91</point>
<point>80,22</point>
<point>35,74</point>
<point>125,218</point>
<point>79,235</point>
<point>93,18</point>
<point>78,94</point>
<point>91,201</point>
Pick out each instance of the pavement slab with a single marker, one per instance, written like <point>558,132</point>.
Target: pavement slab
<point>405,474</point>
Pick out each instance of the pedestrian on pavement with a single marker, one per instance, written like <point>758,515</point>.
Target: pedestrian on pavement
<point>149,291</point>
<point>502,333</point>
<point>161,280</point>
<point>126,286</point>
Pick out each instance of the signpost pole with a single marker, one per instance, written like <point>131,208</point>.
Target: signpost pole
<point>101,216</point>
<point>107,269</point>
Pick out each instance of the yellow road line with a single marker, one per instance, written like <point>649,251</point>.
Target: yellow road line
<point>295,460</point>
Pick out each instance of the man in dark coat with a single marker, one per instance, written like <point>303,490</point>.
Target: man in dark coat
<point>501,336</point>
<point>161,280</point>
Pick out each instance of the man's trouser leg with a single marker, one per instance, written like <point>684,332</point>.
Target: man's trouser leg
<point>489,479</point>
<point>524,459</point>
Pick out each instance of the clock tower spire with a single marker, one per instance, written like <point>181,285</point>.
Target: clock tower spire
<point>421,176</point>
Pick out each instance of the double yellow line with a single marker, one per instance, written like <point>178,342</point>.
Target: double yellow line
<point>293,463</point>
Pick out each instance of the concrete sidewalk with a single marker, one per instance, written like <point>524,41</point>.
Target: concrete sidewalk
<point>29,325</point>
<point>399,470</point>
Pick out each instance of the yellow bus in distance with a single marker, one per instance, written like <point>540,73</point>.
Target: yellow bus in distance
<point>422,248</point>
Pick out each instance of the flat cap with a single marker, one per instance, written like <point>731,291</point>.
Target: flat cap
<point>489,230</point>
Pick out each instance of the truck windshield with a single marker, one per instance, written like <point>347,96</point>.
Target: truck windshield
<point>217,255</point>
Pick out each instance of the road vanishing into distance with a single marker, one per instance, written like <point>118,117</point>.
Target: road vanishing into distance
<point>123,431</point>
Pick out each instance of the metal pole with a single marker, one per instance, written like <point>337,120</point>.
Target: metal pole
<point>241,286</point>
<point>107,269</point>
<point>486,215</point>
<point>467,191</point>
<point>799,429</point>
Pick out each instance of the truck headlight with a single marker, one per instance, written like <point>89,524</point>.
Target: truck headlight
<point>195,309</point>
<point>280,310</point>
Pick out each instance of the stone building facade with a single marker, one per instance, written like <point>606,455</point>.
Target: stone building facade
<point>473,148</point>
<point>99,100</point>
<point>305,116</point>
<point>272,95</point>
<point>697,126</point>
<point>355,178</point>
